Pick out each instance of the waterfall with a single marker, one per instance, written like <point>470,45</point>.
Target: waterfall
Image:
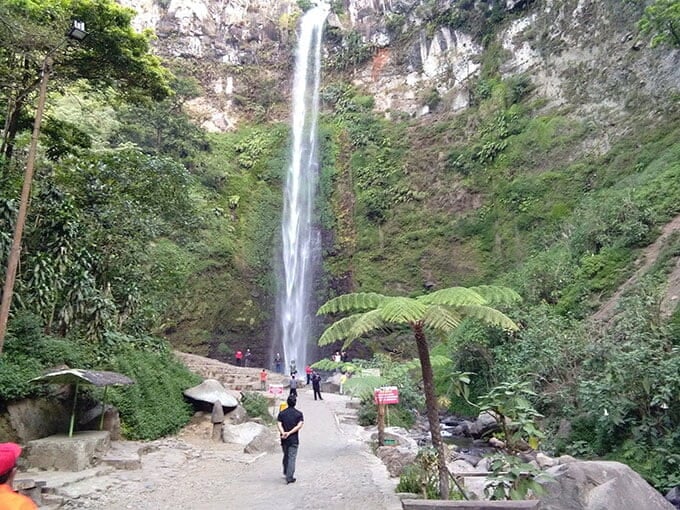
<point>300,238</point>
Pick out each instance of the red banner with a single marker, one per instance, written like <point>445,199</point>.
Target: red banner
<point>386,395</point>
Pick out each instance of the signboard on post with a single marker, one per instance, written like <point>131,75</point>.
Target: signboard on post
<point>276,389</point>
<point>386,395</point>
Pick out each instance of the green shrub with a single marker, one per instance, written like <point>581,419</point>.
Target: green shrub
<point>367,414</point>
<point>422,477</point>
<point>154,405</point>
<point>15,374</point>
<point>256,405</point>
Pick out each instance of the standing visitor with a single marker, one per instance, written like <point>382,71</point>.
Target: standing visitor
<point>293,386</point>
<point>308,371</point>
<point>239,357</point>
<point>277,363</point>
<point>289,423</point>
<point>316,385</point>
<point>263,380</point>
<point>343,380</point>
<point>248,357</point>
<point>293,369</point>
<point>336,357</point>
<point>10,500</point>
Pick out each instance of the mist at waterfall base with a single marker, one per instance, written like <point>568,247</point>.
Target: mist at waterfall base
<point>300,236</point>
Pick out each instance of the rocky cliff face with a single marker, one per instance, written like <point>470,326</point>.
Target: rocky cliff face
<point>424,59</point>
<point>581,53</point>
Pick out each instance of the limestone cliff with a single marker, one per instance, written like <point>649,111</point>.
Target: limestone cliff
<point>584,53</point>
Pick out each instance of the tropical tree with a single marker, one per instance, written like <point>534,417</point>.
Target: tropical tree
<point>662,20</point>
<point>114,57</point>
<point>439,312</point>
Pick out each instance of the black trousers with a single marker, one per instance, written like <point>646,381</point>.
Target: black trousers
<point>317,391</point>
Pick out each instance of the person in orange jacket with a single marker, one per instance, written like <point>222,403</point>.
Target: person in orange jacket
<point>10,500</point>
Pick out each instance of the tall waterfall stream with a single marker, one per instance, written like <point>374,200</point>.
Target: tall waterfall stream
<point>300,237</point>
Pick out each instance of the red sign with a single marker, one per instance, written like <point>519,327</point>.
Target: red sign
<point>276,389</point>
<point>386,395</point>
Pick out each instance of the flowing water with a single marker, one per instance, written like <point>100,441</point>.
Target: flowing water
<point>300,237</point>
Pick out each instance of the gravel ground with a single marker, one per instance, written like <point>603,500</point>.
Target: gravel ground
<point>335,470</point>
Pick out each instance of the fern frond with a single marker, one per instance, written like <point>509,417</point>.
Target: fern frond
<point>488,315</point>
<point>367,321</point>
<point>441,318</point>
<point>495,295</point>
<point>355,302</point>
<point>401,310</point>
<point>339,330</point>
<point>453,296</point>
<point>352,327</point>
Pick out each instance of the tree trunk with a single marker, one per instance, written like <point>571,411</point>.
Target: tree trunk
<point>432,411</point>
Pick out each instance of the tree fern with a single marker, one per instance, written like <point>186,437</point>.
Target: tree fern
<point>440,311</point>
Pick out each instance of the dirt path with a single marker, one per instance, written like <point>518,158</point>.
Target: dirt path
<point>335,470</point>
<point>645,261</point>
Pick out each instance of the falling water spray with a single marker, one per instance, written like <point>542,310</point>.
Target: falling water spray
<point>300,237</point>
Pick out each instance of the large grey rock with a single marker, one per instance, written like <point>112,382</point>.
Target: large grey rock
<point>32,419</point>
<point>673,496</point>
<point>236,416</point>
<point>599,485</point>
<point>211,391</point>
<point>395,458</point>
<point>242,434</point>
<point>265,441</point>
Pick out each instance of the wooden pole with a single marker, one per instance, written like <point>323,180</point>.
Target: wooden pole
<point>15,250</point>
<point>381,424</point>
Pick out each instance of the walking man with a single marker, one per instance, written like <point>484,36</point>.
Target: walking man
<point>293,386</point>
<point>316,385</point>
<point>289,423</point>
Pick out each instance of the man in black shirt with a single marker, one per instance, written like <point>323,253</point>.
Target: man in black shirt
<point>290,421</point>
<point>316,385</point>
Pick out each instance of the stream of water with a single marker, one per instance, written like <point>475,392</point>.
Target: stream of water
<point>300,237</point>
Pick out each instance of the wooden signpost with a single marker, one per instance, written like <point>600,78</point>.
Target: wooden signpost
<point>383,397</point>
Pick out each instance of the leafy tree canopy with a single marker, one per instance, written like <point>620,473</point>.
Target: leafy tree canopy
<point>662,19</point>
<point>113,54</point>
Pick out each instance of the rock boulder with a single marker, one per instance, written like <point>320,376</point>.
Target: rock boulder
<point>599,485</point>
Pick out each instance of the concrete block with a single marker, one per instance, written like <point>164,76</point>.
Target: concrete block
<point>63,453</point>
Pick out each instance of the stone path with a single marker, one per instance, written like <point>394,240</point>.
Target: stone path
<point>335,470</point>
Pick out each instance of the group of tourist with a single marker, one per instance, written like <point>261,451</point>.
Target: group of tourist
<point>243,359</point>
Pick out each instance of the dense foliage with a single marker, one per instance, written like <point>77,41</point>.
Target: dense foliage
<point>140,222</point>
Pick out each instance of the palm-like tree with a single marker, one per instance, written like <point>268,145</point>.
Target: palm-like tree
<point>441,311</point>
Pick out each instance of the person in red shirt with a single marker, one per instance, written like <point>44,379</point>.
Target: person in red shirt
<point>263,380</point>
<point>239,357</point>
<point>308,371</point>
<point>10,500</point>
